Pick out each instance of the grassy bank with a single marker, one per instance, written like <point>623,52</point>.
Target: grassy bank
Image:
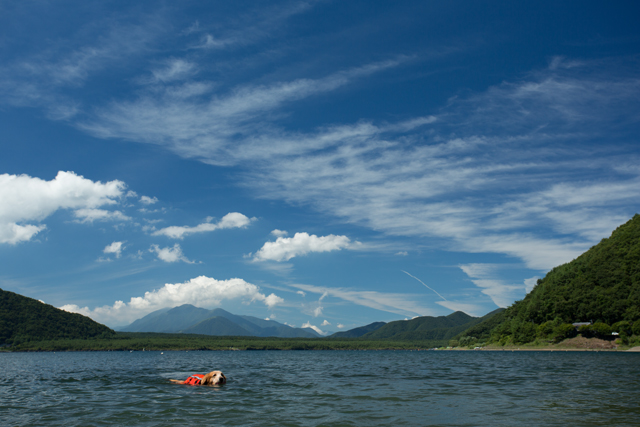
<point>578,343</point>
<point>125,341</point>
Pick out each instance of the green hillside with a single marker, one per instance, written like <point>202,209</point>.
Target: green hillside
<point>600,286</point>
<point>358,332</point>
<point>24,319</point>
<point>429,328</point>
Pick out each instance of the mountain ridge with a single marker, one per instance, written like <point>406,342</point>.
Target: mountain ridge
<point>195,320</point>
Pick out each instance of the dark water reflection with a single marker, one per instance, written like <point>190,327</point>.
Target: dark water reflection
<point>312,388</point>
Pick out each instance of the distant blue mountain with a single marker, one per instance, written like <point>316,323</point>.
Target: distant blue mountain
<point>193,320</point>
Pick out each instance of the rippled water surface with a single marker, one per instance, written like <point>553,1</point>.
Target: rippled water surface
<point>311,388</point>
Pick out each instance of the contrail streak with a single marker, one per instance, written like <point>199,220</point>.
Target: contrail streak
<point>423,284</point>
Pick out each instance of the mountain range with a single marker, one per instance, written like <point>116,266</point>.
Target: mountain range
<point>425,328</point>
<point>188,319</point>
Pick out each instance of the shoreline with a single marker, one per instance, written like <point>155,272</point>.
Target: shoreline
<point>485,349</point>
<point>151,342</point>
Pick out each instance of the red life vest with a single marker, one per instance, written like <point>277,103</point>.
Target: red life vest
<point>194,379</point>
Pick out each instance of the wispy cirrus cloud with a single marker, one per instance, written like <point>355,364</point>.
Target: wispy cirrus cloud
<point>486,172</point>
<point>485,276</point>
<point>43,78</point>
<point>248,28</point>
<point>509,170</point>
<point>403,304</point>
<point>225,128</point>
<point>174,69</point>
<point>515,168</point>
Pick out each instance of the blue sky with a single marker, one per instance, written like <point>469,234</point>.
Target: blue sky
<point>320,163</point>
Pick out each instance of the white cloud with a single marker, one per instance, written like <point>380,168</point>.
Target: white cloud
<point>325,323</point>
<point>221,129</point>
<point>26,200</point>
<point>272,300</point>
<point>384,301</point>
<point>201,291</point>
<point>285,248</point>
<point>317,311</point>
<point>402,253</point>
<point>90,215</point>
<point>175,69</point>
<point>279,233</point>
<point>270,19</point>
<point>146,200</point>
<point>230,220</point>
<point>114,248</point>
<point>167,254</point>
<point>315,328</point>
<point>340,326</point>
<point>484,276</point>
<point>301,293</point>
<point>38,80</point>
<point>530,283</point>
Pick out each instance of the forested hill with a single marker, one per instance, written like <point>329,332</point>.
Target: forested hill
<point>26,319</point>
<point>427,328</point>
<point>601,286</point>
<point>358,332</point>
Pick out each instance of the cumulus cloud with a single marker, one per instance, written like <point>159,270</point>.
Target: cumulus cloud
<point>114,248</point>
<point>201,291</point>
<point>325,323</point>
<point>285,248</point>
<point>146,200</point>
<point>230,220</point>
<point>279,233</point>
<point>168,254</point>
<point>27,200</point>
<point>340,326</point>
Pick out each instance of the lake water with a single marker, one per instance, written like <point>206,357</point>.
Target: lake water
<point>313,388</point>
